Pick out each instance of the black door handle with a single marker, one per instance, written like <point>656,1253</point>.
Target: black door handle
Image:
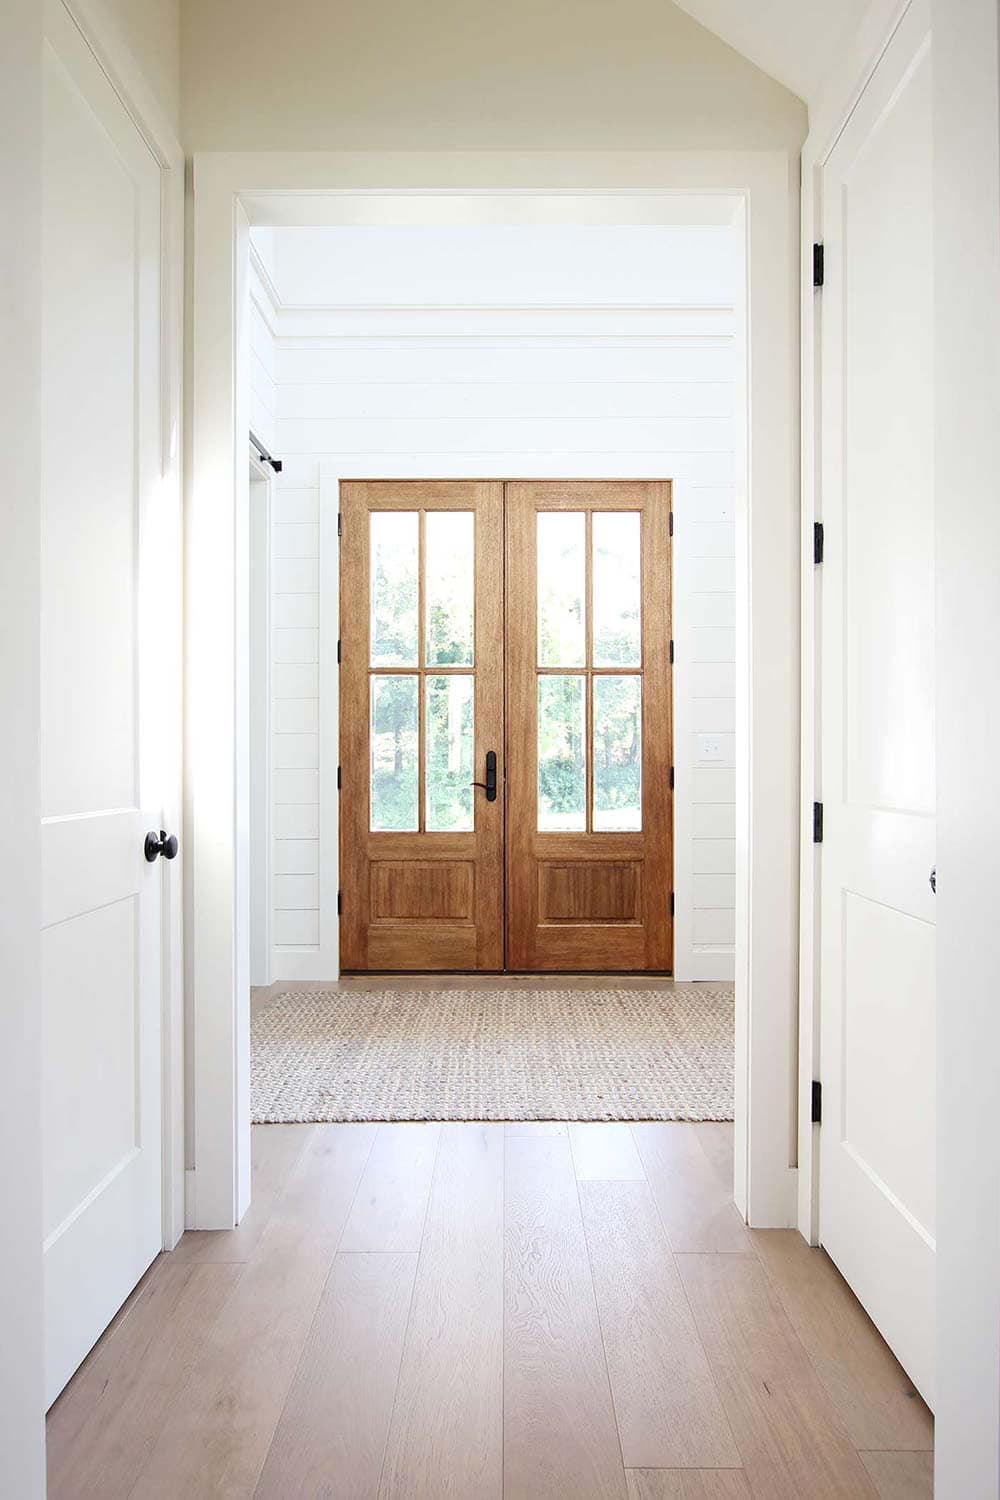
<point>162,843</point>
<point>490,784</point>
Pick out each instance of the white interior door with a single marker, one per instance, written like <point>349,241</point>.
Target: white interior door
<point>877,581</point>
<point>101,788</point>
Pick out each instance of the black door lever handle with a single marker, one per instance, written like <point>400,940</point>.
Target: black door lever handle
<point>490,784</point>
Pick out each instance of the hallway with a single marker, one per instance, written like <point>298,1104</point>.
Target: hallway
<point>467,1310</point>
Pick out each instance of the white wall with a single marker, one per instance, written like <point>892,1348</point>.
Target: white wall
<point>468,74</point>
<point>644,382</point>
<point>967,478</point>
<point>22,1432</point>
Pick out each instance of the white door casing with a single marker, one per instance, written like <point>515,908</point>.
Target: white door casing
<point>877,670</point>
<point>103,653</point>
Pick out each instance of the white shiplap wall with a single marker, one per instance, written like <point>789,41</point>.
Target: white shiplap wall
<point>450,392</point>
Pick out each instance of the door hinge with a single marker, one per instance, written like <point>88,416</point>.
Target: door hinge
<point>340,903</point>
<point>338,651</point>
<point>818,266</point>
<point>671,523</point>
<point>817,541</point>
<point>671,903</point>
<point>671,778</point>
<point>817,822</point>
<point>340,523</point>
<point>817,1102</point>
<point>340,778</point>
<point>671,652</point>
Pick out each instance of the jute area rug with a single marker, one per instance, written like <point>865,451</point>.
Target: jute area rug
<point>503,1054</point>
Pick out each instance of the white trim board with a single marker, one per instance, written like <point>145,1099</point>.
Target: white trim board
<point>232,187</point>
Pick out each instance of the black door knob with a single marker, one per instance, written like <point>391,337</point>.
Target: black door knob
<point>160,843</point>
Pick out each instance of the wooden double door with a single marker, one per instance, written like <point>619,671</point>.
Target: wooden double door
<point>506,738</point>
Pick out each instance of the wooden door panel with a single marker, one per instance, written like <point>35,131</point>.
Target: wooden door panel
<point>421,704</point>
<point>589,841</point>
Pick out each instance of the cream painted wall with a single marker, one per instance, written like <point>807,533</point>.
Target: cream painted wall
<point>151,29</point>
<point>470,74</point>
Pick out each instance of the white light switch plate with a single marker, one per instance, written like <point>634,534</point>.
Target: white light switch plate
<point>709,747</point>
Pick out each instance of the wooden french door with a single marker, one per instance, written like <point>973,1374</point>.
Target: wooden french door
<point>421,708</point>
<point>505,726</point>
<point>589,806</point>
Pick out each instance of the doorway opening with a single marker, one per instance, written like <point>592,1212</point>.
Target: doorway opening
<point>505,743</point>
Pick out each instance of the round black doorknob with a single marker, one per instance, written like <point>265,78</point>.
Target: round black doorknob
<point>160,843</point>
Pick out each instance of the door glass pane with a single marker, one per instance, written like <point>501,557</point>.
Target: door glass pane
<point>449,573</point>
<point>562,563</point>
<point>394,593</point>
<point>394,752</point>
<point>617,753</point>
<point>562,754</point>
<point>616,589</point>
<point>449,754</point>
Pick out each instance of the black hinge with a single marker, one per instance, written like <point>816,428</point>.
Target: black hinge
<point>671,651</point>
<point>671,523</point>
<point>671,903</point>
<point>340,903</point>
<point>817,822</point>
<point>340,779</point>
<point>338,651</point>
<point>671,778</point>
<point>817,1102</point>
<point>817,541</point>
<point>340,523</point>
<point>818,265</point>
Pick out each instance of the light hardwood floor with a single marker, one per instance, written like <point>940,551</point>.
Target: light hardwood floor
<point>513,1312</point>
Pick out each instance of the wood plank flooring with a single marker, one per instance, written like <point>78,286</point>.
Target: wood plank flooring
<point>490,1312</point>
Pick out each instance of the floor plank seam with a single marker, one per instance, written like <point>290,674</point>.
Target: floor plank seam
<point>597,1306</point>
<point>404,1346</point>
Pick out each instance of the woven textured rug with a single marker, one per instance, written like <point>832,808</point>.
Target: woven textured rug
<point>504,1054</point>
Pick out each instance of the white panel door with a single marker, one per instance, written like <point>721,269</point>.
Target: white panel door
<point>877,582</point>
<point>101,790</point>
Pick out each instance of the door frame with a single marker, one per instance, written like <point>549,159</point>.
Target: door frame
<point>234,189</point>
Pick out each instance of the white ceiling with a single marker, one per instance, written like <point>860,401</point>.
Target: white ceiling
<point>795,41</point>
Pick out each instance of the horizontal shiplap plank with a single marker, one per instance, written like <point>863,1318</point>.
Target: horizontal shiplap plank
<point>424,360</point>
<point>296,715</point>
<point>293,679</point>
<point>295,752</point>
<point>711,714</point>
<point>296,856</point>
<point>296,892</point>
<point>712,539</point>
<point>296,540</point>
<point>393,434</point>
<point>702,575</point>
<point>296,645</point>
<point>712,679</point>
<point>394,400</point>
<point>290,507</point>
<point>296,821</point>
<point>545,460</point>
<point>712,645</point>
<point>713,786</point>
<point>711,610</point>
<point>714,856</point>
<point>713,928</point>
<point>713,820</point>
<point>717,890</point>
<point>295,929</point>
<point>295,786</point>
<point>295,575</point>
